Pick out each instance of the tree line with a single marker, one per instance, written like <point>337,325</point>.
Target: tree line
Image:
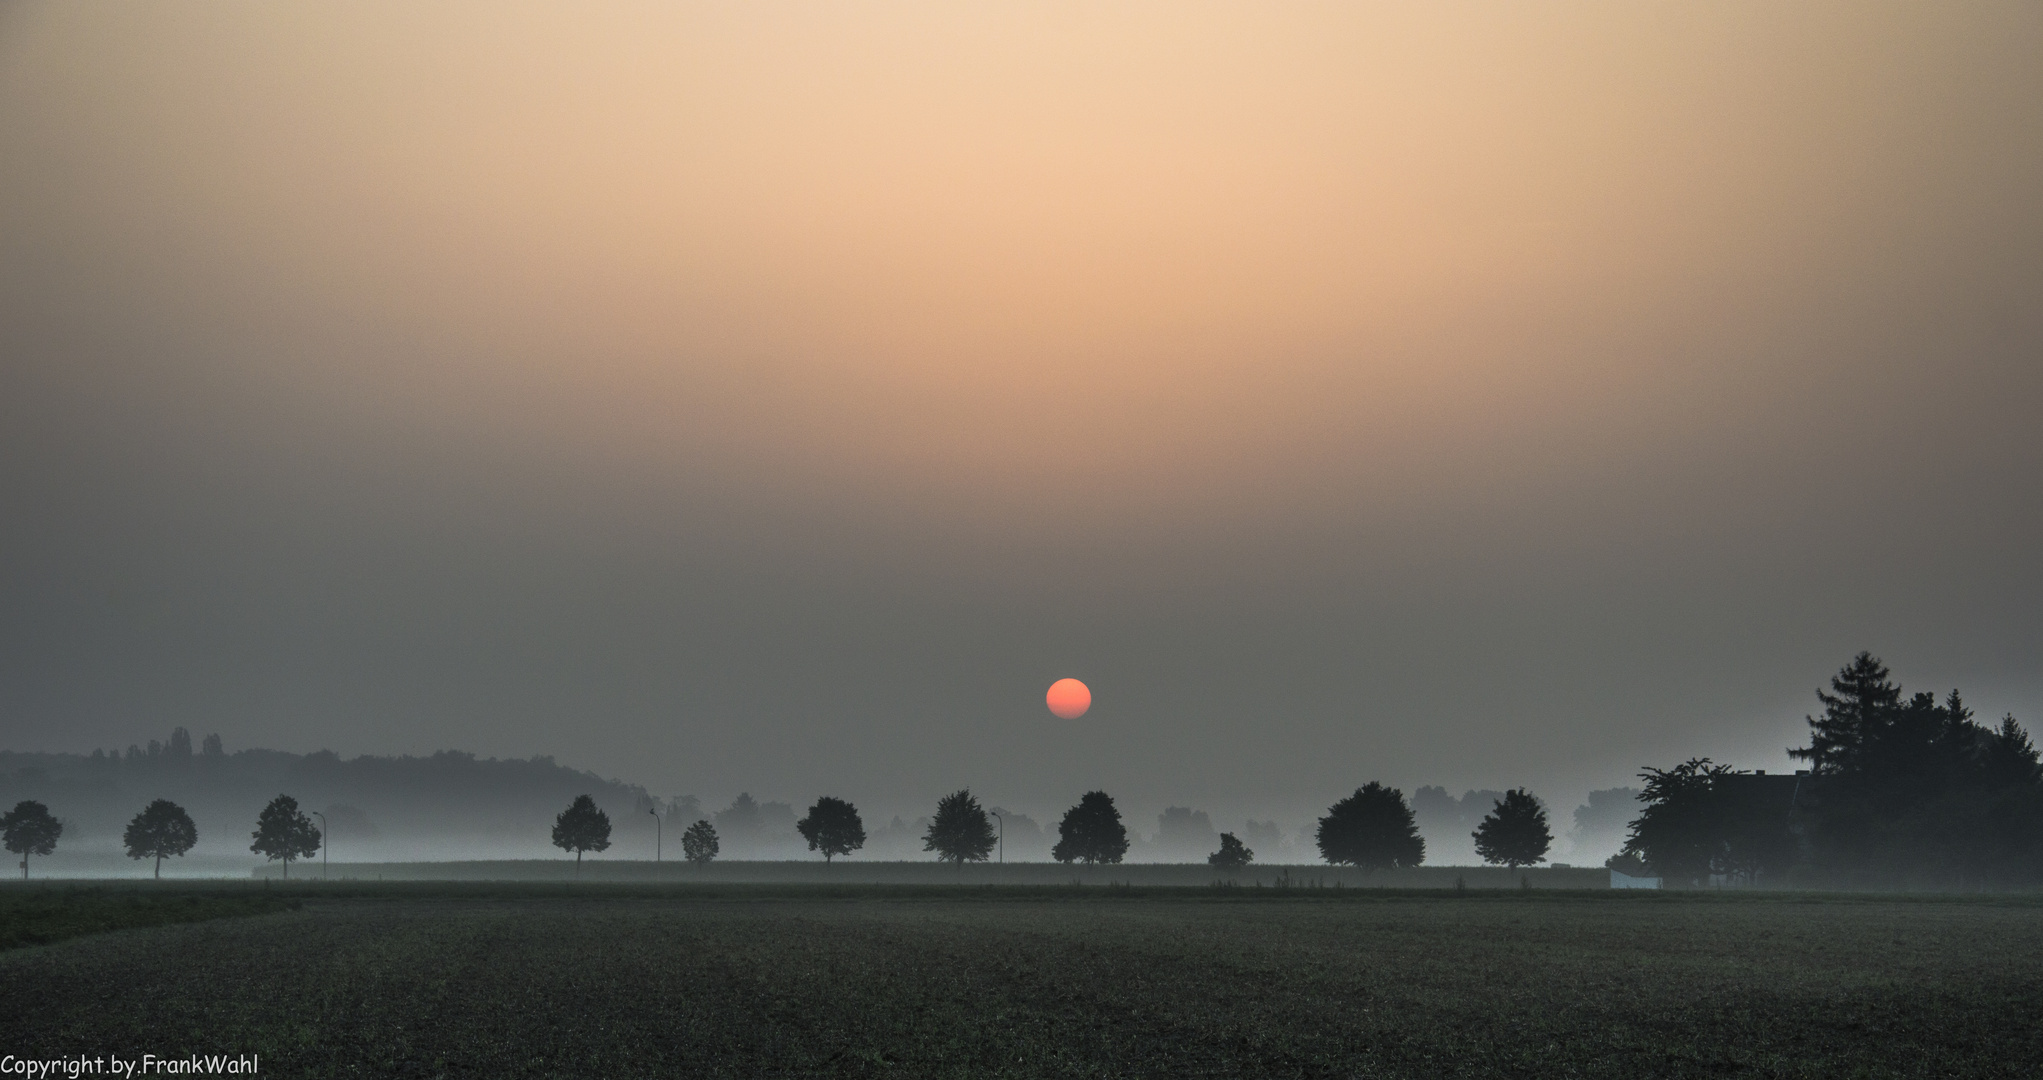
<point>1901,789</point>
<point>1372,829</point>
<point>164,830</point>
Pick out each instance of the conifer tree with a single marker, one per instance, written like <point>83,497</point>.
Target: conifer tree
<point>1864,698</point>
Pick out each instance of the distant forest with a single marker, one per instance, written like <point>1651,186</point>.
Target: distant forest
<point>375,807</point>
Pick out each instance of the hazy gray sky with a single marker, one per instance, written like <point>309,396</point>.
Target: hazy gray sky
<point>779,396</point>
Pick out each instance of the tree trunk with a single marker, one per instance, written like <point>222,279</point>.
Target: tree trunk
<point>159,868</point>
<point>287,868</point>
<point>578,862</point>
<point>24,866</point>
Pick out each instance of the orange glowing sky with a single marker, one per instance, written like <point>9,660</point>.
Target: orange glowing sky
<point>999,254</point>
<point>1119,311</point>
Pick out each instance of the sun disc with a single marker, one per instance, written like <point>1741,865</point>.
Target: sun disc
<point>1069,698</point>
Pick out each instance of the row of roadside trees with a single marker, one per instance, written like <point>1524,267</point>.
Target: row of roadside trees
<point>1373,829</point>
<point>164,830</point>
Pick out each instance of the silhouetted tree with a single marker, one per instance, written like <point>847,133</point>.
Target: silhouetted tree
<point>1905,787</point>
<point>1863,700</point>
<point>1233,854</point>
<point>282,832</point>
<point>832,827</point>
<point>1372,829</point>
<point>162,828</point>
<point>1091,832</point>
<point>581,827</point>
<point>1701,819</point>
<point>2010,760</point>
<point>1681,835</point>
<point>698,844</point>
<point>211,747</point>
<point>960,831</point>
<point>1628,863</point>
<point>181,744</point>
<point>1515,832</point>
<point>30,830</point>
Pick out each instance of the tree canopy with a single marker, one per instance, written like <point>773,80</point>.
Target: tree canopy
<point>1372,829</point>
<point>1702,820</point>
<point>698,844</point>
<point>1901,789</point>
<point>1091,832</point>
<point>960,832</point>
<point>161,829</point>
<point>1862,700</point>
<point>582,827</point>
<point>1515,833</point>
<point>1905,787</point>
<point>1233,854</point>
<point>832,827</point>
<point>282,832</point>
<point>30,830</point>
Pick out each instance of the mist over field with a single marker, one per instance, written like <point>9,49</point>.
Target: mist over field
<point>452,806</point>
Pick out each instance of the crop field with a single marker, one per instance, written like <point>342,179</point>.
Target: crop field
<point>471,980</point>
<point>38,915</point>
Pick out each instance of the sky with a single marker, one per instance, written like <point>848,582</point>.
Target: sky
<point>778,397</point>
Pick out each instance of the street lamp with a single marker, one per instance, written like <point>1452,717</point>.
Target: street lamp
<point>658,834</point>
<point>323,830</point>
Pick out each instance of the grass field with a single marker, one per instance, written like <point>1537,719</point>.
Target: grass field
<point>505,980</point>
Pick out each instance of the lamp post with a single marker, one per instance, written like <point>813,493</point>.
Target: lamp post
<point>1003,835</point>
<point>658,834</point>
<point>323,830</point>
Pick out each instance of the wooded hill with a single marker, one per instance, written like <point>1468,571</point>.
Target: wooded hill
<point>447,805</point>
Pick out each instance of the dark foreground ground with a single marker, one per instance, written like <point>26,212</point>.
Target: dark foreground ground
<point>762,982</point>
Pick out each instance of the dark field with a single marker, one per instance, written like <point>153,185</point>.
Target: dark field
<point>610,981</point>
<point>40,914</point>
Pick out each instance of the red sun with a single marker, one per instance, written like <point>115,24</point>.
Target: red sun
<point>1069,698</point>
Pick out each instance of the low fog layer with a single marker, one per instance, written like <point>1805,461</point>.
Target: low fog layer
<point>452,806</point>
